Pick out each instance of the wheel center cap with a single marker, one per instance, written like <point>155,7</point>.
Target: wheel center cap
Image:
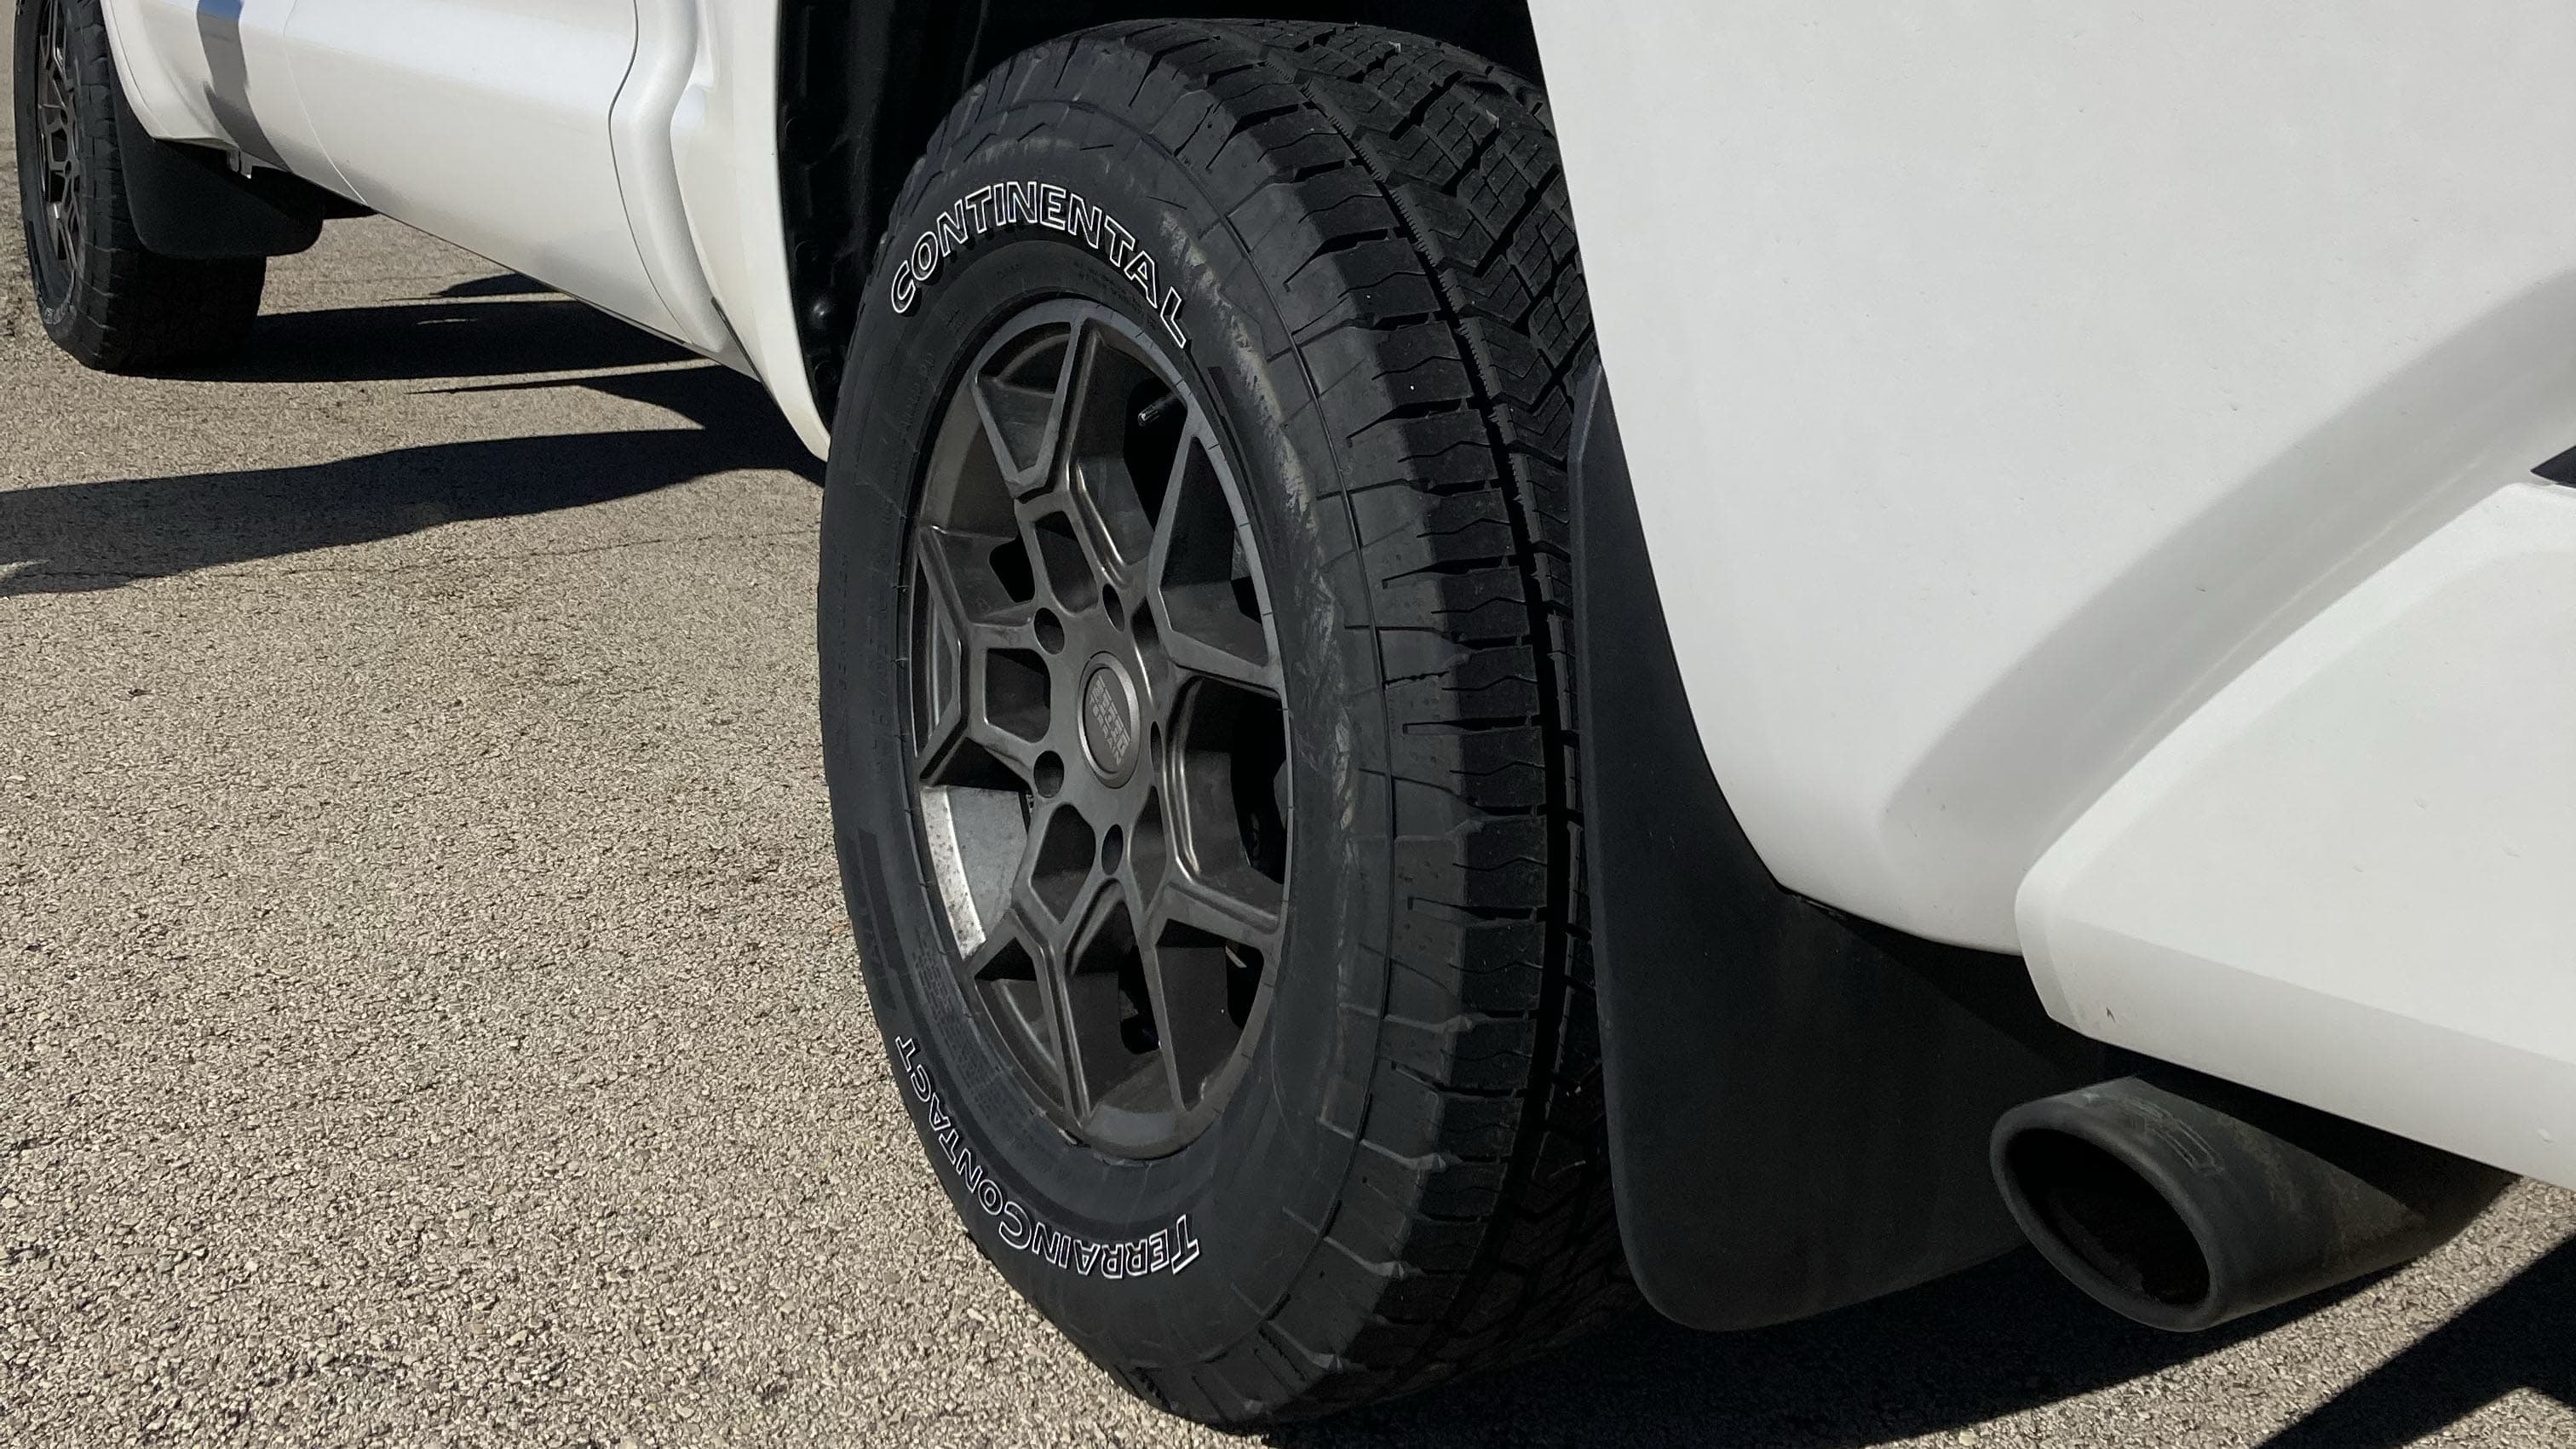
<point>1109,719</point>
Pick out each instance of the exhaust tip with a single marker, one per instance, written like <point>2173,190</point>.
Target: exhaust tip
<point>2183,1202</point>
<point>2103,1220</point>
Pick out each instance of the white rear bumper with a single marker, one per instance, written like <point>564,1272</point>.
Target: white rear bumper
<point>2349,878</point>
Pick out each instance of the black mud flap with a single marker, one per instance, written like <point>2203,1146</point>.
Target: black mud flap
<point>1799,1101</point>
<point>188,204</point>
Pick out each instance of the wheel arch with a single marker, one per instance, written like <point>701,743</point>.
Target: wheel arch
<point>862,83</point>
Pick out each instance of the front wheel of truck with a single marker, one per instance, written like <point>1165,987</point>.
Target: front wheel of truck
<point>1197,702</point>
<point>104,297</point>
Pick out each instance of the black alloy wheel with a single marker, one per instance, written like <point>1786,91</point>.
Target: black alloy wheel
<point>1099,733</point>
<point>58,230</point>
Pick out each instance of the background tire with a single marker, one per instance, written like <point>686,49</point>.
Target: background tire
<point>102,296</point>
<point>1354,246</point>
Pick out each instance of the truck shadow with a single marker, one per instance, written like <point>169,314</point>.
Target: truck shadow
<point>2514,1338</point>
<point>1997,1340</point>
<point>490,327</point>
<point>78,537</point>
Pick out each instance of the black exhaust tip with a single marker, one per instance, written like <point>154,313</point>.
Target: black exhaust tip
<point>2111,1217</point>
<point>2184,1202</point>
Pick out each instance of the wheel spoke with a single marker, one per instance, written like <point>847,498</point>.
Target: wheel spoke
<point>1211,611</point>
<point>960,571</point>
<point>1094,951</point>
<point>1223,908</point>
<point>1060,880</point>
<point>1021,404</point>
<point>1073,519</point>
<point>1246,666</point>
<point>969,754</point>
<point>1206,953</point>
<point>1012,973</point>
<point>1189,984</point>
<point>980,678</point>
<point>939,636</point>
<point>1097,534</point>
<point>1123,425</point>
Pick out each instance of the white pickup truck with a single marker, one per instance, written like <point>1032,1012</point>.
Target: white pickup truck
<point>2048,708</point>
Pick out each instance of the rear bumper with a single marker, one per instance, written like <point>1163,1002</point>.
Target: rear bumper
<point>1799,1102</point>
<point>2349,878</point>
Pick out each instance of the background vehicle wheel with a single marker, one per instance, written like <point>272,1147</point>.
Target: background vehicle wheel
<point>103,298</point>
<point>1196,700</point>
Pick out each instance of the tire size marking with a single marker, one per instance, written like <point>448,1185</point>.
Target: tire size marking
<point>1164,1250</point>
<point>1006,204</point>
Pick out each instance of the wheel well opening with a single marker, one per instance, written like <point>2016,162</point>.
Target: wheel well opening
<point>862,85</point>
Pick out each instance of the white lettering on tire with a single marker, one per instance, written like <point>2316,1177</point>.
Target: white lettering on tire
<point>1006,204</point>
<point>1164,1250</point>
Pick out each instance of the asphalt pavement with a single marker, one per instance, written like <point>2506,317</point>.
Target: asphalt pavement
<point>426,1014</point>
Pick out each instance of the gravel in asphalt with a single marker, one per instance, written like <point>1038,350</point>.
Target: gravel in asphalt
<point>426,1014</point>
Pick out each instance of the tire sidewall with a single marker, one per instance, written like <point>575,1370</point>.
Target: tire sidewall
<point>1206,1234</point>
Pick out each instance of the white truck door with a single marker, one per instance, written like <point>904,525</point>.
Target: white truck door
<point>485,123</point>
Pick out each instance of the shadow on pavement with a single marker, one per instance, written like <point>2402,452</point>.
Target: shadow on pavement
<point>499,284</point>
<point>77,537</point>
<point>1987,1342</point>
<point>1993,1341</point>
<point>496,331</point>
<point>2514,1338</point>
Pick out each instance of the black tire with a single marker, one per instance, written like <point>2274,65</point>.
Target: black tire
<point>1363,237</point>
<point>103,297</point>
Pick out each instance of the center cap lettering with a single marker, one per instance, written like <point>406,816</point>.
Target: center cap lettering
<point>1108,720</point>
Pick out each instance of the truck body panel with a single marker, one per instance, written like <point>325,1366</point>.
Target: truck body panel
<point>2001,382</point>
